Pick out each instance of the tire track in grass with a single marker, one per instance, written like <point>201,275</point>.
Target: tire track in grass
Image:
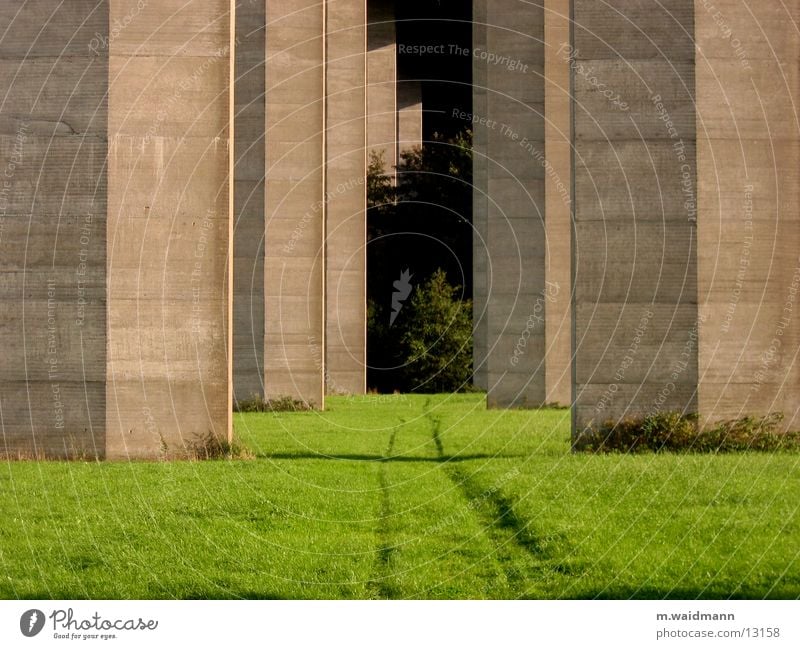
<point>514,540</point>
<point>502,549</point>
<point>382,581</point>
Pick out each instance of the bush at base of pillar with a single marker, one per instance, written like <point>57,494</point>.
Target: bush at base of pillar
<point>672,431</point>
<point>280,404</point>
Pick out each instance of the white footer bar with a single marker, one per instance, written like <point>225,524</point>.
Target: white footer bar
<point>389,625</point>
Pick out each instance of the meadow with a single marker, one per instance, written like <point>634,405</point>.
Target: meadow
<point>404,497</point>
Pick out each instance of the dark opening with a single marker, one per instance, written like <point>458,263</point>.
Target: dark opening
<point>423,224</point>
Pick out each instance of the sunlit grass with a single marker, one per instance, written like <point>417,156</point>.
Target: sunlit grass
<point>404,497</point>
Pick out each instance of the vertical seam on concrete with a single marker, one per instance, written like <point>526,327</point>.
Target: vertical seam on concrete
<point>324,216</point>
<point>231,171</point>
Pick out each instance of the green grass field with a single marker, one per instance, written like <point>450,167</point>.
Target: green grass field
<point>405,497</point>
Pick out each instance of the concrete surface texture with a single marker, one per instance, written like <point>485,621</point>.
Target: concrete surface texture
<point>635,257</point>
<point>168,376</point>
<point>748,221</point>
<point>409,115</point>
<point>481,266</point>
<point>314,131</point>
<point>249,222</point>
<point>294,340</point>
<point>346,197</point>
<point>557,186</point>
<point>53,117</point>
<point>686,199</point>
<point>115,232</point>
<point>512,289</point>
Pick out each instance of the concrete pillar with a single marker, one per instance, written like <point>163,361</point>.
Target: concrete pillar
<point>517,291</point>
<point>346,198</point>
<point>382,82</point>
<point>685,210</point>
<point>168,228</point>
<point>115,228</point>
<point>481,266</point>
<point>294,332</point>
<point>249,224</point>
<point>53,205</point>
<point>748,222</point>
<point>635,296</point>
<point>558,191</point>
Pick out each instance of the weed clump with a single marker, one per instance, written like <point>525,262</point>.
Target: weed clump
<point>212,447</point>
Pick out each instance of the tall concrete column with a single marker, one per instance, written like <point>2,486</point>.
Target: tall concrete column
<point>635,294</point>
<point>382,82</point>
<point>248,294</point>
<point>517,292</point>
<point>53,205</point>
<point>115,228</point>
<point>481,263</point>
<point>748,226</point>
<point>346,198</point>
<point>168,228</point>
<point>685,210</point>
<point>294,338</point>
<point>558,190</point>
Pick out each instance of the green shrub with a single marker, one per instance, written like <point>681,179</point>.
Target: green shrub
<point>281,404</point>
<point>381,193</point>
<point>436,338</point>
<point>753,434</point>
<point>672,431</point>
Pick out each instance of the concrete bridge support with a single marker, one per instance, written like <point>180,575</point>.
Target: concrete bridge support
<point>515,218</point>
<point>685,210</point>
<point>748,228</point>
<point>295,208</point>
<point>521,202</point>
<point>346,209</point>
<point>316,139</point>
<point>115,228</point>
<point>558,225</point>
<point>249,196</point>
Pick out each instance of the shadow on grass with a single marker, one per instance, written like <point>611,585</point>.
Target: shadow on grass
<point>159,594</point>
<point>359,457</point>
